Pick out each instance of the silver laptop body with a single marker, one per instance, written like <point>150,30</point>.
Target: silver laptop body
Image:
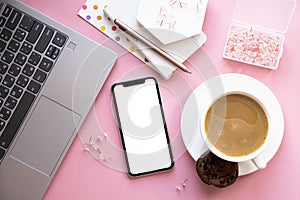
<point>43,137</point>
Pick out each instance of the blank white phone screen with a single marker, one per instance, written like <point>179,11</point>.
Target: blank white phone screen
<point>143,129</point>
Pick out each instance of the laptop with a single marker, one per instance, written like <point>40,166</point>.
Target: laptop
<point>49,79</point>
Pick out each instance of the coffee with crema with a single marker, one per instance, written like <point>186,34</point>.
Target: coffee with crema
<point>236,125</point>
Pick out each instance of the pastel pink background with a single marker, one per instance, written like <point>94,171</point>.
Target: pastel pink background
<point>83,177</point>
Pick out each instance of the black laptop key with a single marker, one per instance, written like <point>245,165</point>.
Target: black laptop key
<point>35,32</point>
<point>13,45</point>
<point>22,80</point>
<point>21,59</point>
<point>7,57</point>
<point>5,34</point>
<point>3,91</point>
<point>26,23</point>
<point>5,113</point>
<point>8,81</point>
<point>2,45</point>
<point>16,119</point>
<point>59,39</point>
<point>26,48</point>
<point>10,102</point>
<point>3,67</point>
<point>19,35</point>
<point>2,21</point>
<point>2,152</point>
<point>2,124</point>
<point>46,64</point>
<point>16,91</point>
<point>34,87</point>
<point>55,53</point>
<point>50,50</point>
<point>7,11</point>
<point>34,58</point>
<point>14,70</point>
<point>13,20</point>
<point>39,76</point>
<point>28,69</point>
<point>44,40</point>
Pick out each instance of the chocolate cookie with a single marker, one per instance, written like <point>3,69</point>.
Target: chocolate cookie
<point>215,171</point>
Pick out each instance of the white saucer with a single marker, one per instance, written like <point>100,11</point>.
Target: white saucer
<point>203,95</point>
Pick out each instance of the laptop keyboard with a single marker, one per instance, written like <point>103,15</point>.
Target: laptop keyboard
<point>28,51</point>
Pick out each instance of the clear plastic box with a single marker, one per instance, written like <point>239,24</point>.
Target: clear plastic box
<point>257,32</point>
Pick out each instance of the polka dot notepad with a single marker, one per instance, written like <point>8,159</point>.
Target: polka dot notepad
<point>92,12</point>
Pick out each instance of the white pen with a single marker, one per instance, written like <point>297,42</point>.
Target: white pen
<point>124,27</point>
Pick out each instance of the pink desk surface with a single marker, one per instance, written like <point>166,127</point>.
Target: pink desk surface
<point>83,177</point>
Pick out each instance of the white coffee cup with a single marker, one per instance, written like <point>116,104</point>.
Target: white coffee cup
<point>255,156</point>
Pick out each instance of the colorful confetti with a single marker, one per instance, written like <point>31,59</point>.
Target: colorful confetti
<point>117,38</point>
<point>132,49</point>
<point>102,28</point>
<point>95,7</point>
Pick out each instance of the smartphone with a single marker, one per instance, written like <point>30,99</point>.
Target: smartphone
<point>142,126</point>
